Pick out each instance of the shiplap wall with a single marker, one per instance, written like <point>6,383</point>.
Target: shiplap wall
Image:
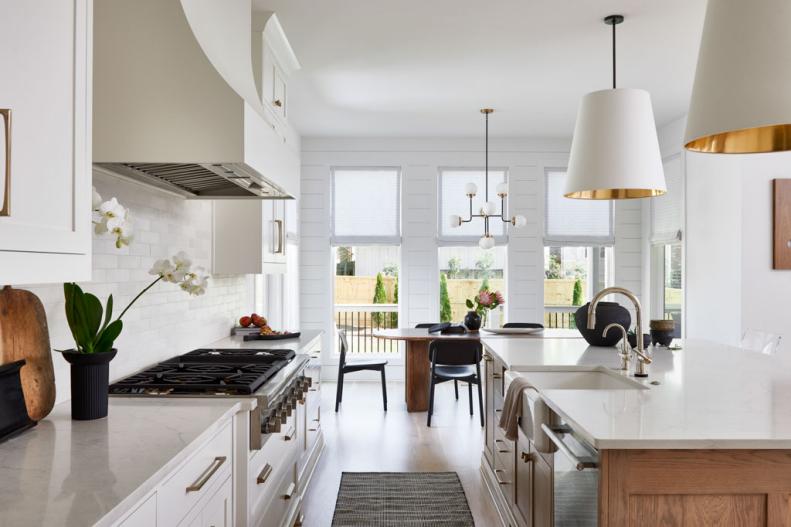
<point>420,161</point>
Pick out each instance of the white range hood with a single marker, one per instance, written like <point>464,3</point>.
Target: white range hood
<point>178,102</point>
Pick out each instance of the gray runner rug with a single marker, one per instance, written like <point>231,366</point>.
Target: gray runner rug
<point>414,499</point>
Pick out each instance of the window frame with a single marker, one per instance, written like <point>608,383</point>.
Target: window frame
<point>345,240</point>
<point>465,240</point>
<point>574,241</point>
<point>654,237</point>
<point>657,281</point>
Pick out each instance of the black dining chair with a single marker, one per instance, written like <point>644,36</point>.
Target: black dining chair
<point>425,325</point>
<point>523,325</point>
<point>358,365</point>
<point>455,361</point>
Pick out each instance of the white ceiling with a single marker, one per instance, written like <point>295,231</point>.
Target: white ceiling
<point>418,68</point>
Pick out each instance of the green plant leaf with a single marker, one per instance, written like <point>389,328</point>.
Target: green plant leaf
<point>108,311</point>
<point>469,303</point>
<point>93,314</point>
<point>108,336</point>
<point>80,330</point>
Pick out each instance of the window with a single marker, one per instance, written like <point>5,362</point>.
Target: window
<point>366,206</point>
<point>453,200</point>
<point>463,271</point>
<point>366,295</point>
<point>667,251</point>
<point>578,255</point>
<point>366,234</point>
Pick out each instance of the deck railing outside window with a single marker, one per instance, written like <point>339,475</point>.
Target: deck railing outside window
<point>560,317</point>
<point>361,320</point>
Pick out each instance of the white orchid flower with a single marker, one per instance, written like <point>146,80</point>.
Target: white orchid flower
<point>161,267</point>
<point>122,230</point>
<point>100,226</point>
<point>97,199</point>
<point>182,261</point>
<point>112,209</point>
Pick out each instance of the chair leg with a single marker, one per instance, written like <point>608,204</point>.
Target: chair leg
<point>430,400</point>
<point>480,395</point>
<point>339,391</point>
<point>469,387</point>
<point>384,389</point>
<point>456,388</point>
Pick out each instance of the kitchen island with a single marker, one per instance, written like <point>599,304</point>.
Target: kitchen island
<point>704,440</point>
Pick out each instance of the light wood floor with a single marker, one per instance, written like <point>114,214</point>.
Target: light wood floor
<point>361,437</point>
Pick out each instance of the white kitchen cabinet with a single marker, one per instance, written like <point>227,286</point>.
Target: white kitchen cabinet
<point>45,52</point>
<point>249,237</point>
<point>278,63</point>
<point>145,515</point>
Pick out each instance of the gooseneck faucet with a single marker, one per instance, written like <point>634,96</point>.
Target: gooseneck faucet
<point>642,358</point>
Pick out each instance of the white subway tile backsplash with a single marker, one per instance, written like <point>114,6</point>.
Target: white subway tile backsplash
<point>165,321</point>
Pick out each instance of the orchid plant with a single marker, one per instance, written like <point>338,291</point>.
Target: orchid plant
<point>485,301</point>
<point>90,324</point>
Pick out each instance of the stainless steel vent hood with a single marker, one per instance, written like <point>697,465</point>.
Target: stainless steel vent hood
<point>165,116</point>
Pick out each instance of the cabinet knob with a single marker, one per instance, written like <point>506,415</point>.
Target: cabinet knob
<point>278,103</point>
<point>526,457</point>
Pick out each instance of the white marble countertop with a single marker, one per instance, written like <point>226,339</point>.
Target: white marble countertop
<point>78,473</point>
<point>709,395</point>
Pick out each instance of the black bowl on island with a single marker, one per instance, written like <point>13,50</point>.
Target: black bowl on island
<point>606,313</point>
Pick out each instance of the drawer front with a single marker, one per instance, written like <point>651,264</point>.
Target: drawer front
<point>277,457</point>
<point>143,516</point>
<point>196,478</point>
<point>282,500</point>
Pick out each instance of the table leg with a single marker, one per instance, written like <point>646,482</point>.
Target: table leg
<point>417,375</point>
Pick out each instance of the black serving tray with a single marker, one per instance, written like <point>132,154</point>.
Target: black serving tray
<point>285,336</point>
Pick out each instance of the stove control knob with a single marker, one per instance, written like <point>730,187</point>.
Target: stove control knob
<point>284,412</point>
<point>272,425</point>
<point>309,381</point>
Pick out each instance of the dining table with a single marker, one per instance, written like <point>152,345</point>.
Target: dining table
<point>417,364</point>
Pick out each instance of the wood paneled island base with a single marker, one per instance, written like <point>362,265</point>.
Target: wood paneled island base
<point>739,488</point>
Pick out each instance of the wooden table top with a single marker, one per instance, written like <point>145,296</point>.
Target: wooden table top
<point>420,334</point>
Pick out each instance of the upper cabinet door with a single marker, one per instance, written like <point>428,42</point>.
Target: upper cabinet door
<point>45,52</point>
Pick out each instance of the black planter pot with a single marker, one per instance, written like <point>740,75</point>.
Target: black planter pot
<point>633,340</point>
<point>472,321</point>
<point>90,375</point>
<point>662,337</point>
<point>606,313</point>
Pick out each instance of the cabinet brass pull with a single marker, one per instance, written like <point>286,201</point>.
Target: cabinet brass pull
<point>278,103</point>
<point>290,434</point>
<point>264,475</point>
<point>5,171</point>
<point>526,457</point>
<point>499,481</point>
<point>280,245</point>
<point>207,474</point>
<point>289,491</point>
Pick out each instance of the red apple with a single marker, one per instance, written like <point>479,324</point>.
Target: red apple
<point>245,321</point>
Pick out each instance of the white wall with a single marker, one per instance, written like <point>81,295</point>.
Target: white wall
<point>730,285</point>
<point>165,321</point>
<point>420,161</point>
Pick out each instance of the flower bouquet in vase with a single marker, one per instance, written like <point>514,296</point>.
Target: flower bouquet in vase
<point>480,306</point>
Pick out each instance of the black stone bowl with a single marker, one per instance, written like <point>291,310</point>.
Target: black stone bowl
<point>606,313</point>
<point>662,337</point>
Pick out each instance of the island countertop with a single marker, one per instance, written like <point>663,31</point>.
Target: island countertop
<point>709,396</point>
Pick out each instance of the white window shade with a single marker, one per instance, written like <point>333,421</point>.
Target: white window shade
<point>666,210</point>
<point>366,206</point>
<point>574,221</point>
<point>453,200</point>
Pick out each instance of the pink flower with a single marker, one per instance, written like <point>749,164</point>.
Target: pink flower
<point>485,298</point>
<point>499,297</point>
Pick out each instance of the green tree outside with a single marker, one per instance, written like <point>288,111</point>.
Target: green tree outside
<point>577,298</point>
<point>380,297</point>
<point>445,312</point>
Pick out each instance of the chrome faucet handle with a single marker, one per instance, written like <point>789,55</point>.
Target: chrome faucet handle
<point>626,349</point>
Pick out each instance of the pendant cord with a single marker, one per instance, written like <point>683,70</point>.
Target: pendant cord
<point>486,172</point>
<point>613,56</point>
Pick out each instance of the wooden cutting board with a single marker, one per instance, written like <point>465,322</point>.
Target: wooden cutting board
<point>24,335</point>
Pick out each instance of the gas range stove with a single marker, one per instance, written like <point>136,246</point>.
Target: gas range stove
<point>207,372</point>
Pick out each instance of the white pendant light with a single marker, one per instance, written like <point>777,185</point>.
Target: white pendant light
<point>488,210</point>
<point>741,99</point>
<point>615,150</point>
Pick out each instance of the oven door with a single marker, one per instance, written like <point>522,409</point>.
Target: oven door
<point>575,479</point>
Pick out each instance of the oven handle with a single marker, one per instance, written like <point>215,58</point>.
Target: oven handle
<point>552,432</point>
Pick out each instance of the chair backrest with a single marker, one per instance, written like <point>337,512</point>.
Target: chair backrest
<point>760,342</point>
<point>424,325</point>
<point>344,348</point>
<point>455,352</point>
<point>523,325</point>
